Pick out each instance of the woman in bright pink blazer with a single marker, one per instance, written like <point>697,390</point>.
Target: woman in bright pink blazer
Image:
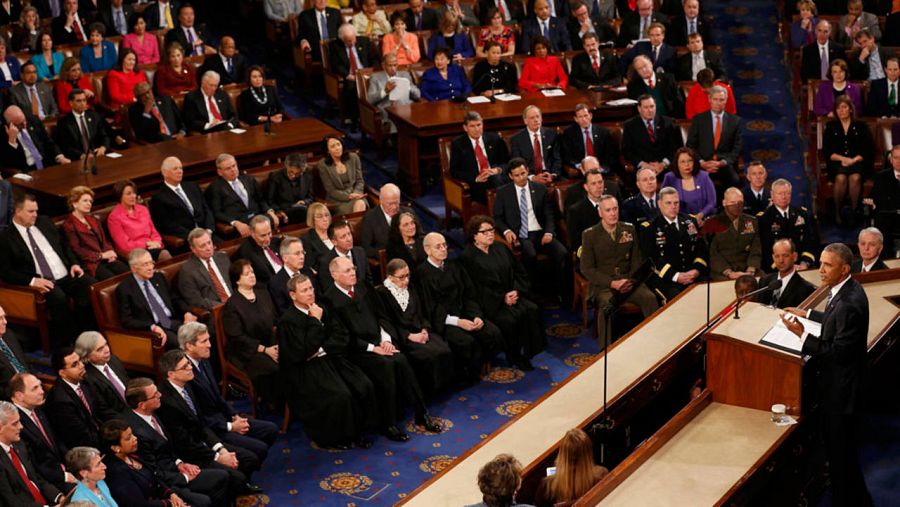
<point>130,225</point>
<point>145,45</point>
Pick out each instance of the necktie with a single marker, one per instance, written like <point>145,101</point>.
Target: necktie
<point>169,23</point>
<point>42,263</point>
<point>114,381</point>
<point>188,400</point>
<point>693,28</point>
<point>644,23</point>
<point>595,64</point>
<point>545,30</point>
<point>184,199</point>
<point>523,213</point>
<point>655,54</point>
<point>54,8</point>
<point>650,132</point>
<point>120,22</point>
<point>220,289</point>
<point>156,307</point>
<point>595,8</point>
<point>157,427</point>
<point>13,360</point>
<point>214,109</point>
<point>483,164</point>
<point>239,190</point>
<point>35,103</point>
<point>828,301</point>
<point>419,22</point>
<point>85,137</point>
<point>163,128</point>
<point>351,293</point>
<point>588,144</point>
<point>717,135</point>
<point>354,66</point>
<point>35,154</point>
<point>83,398</point>
<point>274,258</point>
<point>775,295</point>
<point>323,25</point>
<point>229,67</point>
<point>823,63</point>
<point>17,464</point>
<point>652,203</point>
<point>76,27</point>
<point>37,422</point>
<point>538,156</point>
<point>892,95</point>
<point>650,83</point>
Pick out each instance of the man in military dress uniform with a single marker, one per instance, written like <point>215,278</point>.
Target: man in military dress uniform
<point>735,249</point>
<point>781,220</point>
<point>672,242</point>
<point>610,260</point>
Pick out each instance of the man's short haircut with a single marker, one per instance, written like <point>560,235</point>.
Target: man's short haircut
<point>842,252</point>
<point>7,410</point>
<point>29,63</point>
<point>135,255</point>
<point>642,169</point>
<point>189,333</point>
<point>874,232</point>
<point>606,197</point>
<point>754,163</point>
<point>210,76</point>
<point>786,241</point>
<point>169,361</point>
<point>340,224</point>
<point>644,97</point>
<point>333,264</point>
<point>16,384</point>
<point>19,202</point>
<point>657,24</point>
<point>296,280</point>
<point>695,36</point>
<point>667,191</point>
<point>223,157</point>
<point>528,108</point>
<point>136,391</point>
<point>592,172</point>
<point>86,343</point>
<point>515,163</point>
<point>782,182</point>
<point>195,234</point>
<point>258,219</point>
<point>589,35</point>
<point>286,245</point>
<point>863,33</point>
<point>582,106</point>
<point>295,160</point>
<point>58,358</point>
<point>716,89</point>
<point>471,116</point>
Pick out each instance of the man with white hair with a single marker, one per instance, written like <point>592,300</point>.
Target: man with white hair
<point>178,206</point>
<point>870,242</point>
<point>347,55</point>
<point>105,373</point>
<point>208,108</point>
<point>28,146</point>
<point>20,482</point>
<point>376,223</point>
<point>781,220</point>
<point>716,137</point>
<point>235,198</point>
<point>636,24</point>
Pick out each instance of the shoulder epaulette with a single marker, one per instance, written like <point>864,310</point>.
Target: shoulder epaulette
<point>645,224</point>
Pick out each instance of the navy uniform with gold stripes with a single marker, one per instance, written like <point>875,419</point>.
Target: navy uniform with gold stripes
<point>797,226</point>
<point>672,250</point>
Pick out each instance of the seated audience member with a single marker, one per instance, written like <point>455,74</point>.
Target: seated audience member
<point>594,69</point>
<point>72,403</point>
<point>174,75</point>
<point>282,11</point>
<point>28,487</point>
<point>383,82</point>
<point>188,34</point>
<point>681,27</point>
<point>104,373</point>
<point>849,151</point>
<point>178,206</point>
<point>33,96</point>
<point>326,391</point>
<point>811,65</point>
<point>99,54</point>
<point>235,198</point>
<point>202,281</point>
<point>122,78</point>
<point>259,103</point>
<point>829,91</point>
<point>71,129</point>
<point>856,21</point>
<point>371,21</point>
<point>868,62</point>
<point>28,147</point>
<point>587,139</point>
<point>401,44</point>
<point>575,193</point>
<point>26,35</point>
<point>662,87</point>
<point>33,253</point>
<point>154,119</point>
<point>756,195</point>
<point>695,188</point>
<point>260,249</point>
<point>86,239</point>
<point>405,239</point>
<point>114,15</point>
<point>374,230</point>
<point>476,157</point>
<point>715,135</point>
<point>497,32</point>
<point>513,13</point>
<point>583,21</point>
<point>445,80</point>
<point>130,225</point>
<point>642,206</point>
<point>649,139</point>
<point>891,37</point>
<point>499,481</point>
<point>402,315</point>
<point>295,262</point>
<point>209,108</point>
<point>870,242</point>
<point>541,71</point>
<point>885,196</point>
<point>316,242</point>
<point>12,357</point>
<point>144,44</point>
<point>677,259</point>
<point>146,303</point>
<point>341,175</point>
<point>550,27</point>
<point>781,220</point>
<point>661,55</point>
<point>9,67</point>
<point>576,471</point>
<point>48,61</point>
<point>698,96</point>
<point>584,212</point>
<point>464,11</point>
<point>794,289</point>
<point>883,99</point>
<point>341,236</point>
<point>735,249</point>
<point>502,291</point>
<point>636,24</point>
<point>610,259</point>
<point>310,27</point>
<point>697,59</point>
<point>803,30</point>
<point>537,146</point>
<point>418,18</point>
<point>450,35</point>
<point>69,27</point>
<point>290,190</point>
<point>228,63</point>
<point>745,284</point>
<point>493,76</point>
<point>6,203</point>
<point>347,55</point>
<point>71,78</point>
<point>10,10</point>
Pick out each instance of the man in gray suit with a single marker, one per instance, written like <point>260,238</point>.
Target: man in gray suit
<point>382,83</point>
<point>856,21</point>
<point>203,279</point>
<point>23,94</point>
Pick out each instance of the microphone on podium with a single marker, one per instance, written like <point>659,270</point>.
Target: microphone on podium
<point>775,285</point>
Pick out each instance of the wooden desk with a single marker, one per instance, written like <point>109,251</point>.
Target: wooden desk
<point>420,124</point>
<point>141,163</point>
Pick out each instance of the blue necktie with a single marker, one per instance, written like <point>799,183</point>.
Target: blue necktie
<point>546,29</point>
<point>184,199</point>
<point>35,154</point>
<point>120,22</point>
<point>188,400</point>
<point>13,360</point>
<point>230,68</point>
<point>156,306</point>
<point>323,25</point>
<point>523,214</point>
<point>693,29</point>
<point>241,192</point>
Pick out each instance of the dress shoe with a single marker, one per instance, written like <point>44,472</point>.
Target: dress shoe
<point>363,443</point>
<point>336,447</point>
<point>394,433</point>
<point>523,364</point>
<point>252,489</point>
<point>429,424</point>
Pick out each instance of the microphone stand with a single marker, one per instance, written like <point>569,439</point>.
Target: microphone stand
<point>609,311</point>
<point>775,285</point>
<point>267,127</point>
<point>493,98</point>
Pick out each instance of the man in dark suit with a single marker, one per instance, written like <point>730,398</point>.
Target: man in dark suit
<point>756,195</point>
<point>12,357</point>
<point>811,65</point>
<point>114,15</point>
<point>208,109</point>
<point>594,68</point>
<point>524,215</point>
<point>781,220</point>
<point>294,258</point>
<point>697,59</point>
<point>716,137</point>
<point>178,206</point>
<point>376,223</point>
<point>105,374</point>
<point>661,86</point>
<point>33,253</point>
<point>587,139</point>
<point>643,150</point>
<point>512,11</point>
<point>69,27</point>
<point>71,405</point>
<point>418,18</point>
<point>867,63</point>
<point>681,27</point>
<point>552,28</point>
<point>341,235</point>
<point>883,99</point>
<point>347,55</point>
<point>537,145</point>
<point>83,132</point>
<point>661,55</point>
<point>559,9</point>
<point>575,193</point>
<point>145,302</point>
<point>582,22</point>
<point>870,242</point>
<point>642,206</point>
<point>6,203</point>
<point>29,89</point>
<point>235,198</point>
<point>477,158</point>
<point>228,63</point>
<point>21,484</point>
<point>203,281</point>
<point>28,146</point>
<point>885,198</point>
<point>320,23</point>
<point>583,213</point>
<point>840,350</point>
<point>891,37</point>
<point>192,38</point>
<point>261,249</point>
<point>636,24</point>
<point>154,119</point>
<point>161,14</point>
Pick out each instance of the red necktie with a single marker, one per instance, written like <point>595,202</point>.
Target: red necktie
<point>483,164</point>
<point>76,27</point>
<point>17,464</point>
<point>351,293</point>
<point>214,109</point>
<point>37,422</point>
<point>650,83</point>
<point>650,132</point>
<point>595,65</point>
<point>588,143</point>
<point>220,289</point>
<point>538,156</point>
<point>84,400</point>
<point>353,65</point>
<point>163,129</point>
<point>273,257</point>
<point>157,428</point>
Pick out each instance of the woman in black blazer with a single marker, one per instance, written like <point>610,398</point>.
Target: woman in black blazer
<point>290,190</point>
<point>315,242</point>
<point>848,148</point>
<point>259,102</point>
<point>405,239</point>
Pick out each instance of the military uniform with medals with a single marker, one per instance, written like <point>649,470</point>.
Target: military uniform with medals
<point>797,226</point>
<point>672,251</point>
<point>735,245</point>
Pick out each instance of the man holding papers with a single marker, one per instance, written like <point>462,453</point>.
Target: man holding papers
<point>391,86</point>
<point>841,352</point>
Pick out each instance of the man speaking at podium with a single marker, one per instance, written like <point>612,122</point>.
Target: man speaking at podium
<point>841,350</point>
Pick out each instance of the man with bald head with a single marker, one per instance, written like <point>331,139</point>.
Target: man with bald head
<point>27,146</point>
<point>376,223</point>
<point>735,249</point>
<point>383,82</point>
<point>817,57</point>
<point>178,206</point>
<point>152,118</point>
<point>794,288</point>
<point>228,63</point>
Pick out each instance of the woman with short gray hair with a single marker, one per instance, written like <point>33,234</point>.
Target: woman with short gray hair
<point>86,464</point>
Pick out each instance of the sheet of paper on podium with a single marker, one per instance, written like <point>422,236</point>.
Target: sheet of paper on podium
<point>783,339</point>
<point>401,88</point>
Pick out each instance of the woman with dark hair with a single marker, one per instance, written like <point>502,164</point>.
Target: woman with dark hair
<point>848,149</point>
<point>803,31</point>
<point>48,61</point>
<point>405,239</point>
<point>12,66</point>
<point>576,471</point>
<point>26,35</point>
<point>542,70</point>
<point>450,35</point>
<point>99,54</point>
<point>829,91</point>
<point>496,32</point>
<point>695,188</point>
<point>144,44</point>
<point>342,177</point>
<point>175,76</point>
<point>130,225</point>
<point>493,75</point>
<point>403,316</point>
<point>499,481</point>
<point>404,44</point>
<point>502,286</point>
<point>316,242</point>
<point>120,80</point>
<point>259,102</point>
<point>71,78</point>
<point>86,238</point>
<point>445,80</point>
<point>698,96</point>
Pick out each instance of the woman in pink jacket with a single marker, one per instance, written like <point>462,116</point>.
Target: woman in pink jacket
<point>130,225</point>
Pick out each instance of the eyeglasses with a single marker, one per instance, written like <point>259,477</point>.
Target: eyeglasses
<point>486,231</point>
<point>401,277</point>
<point>186,367</point>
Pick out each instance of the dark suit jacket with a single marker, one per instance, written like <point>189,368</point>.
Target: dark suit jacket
<point>15,157</point>
<point>151,15</point>
<point>354,322</point>
<point>796,291</point>
<point>340,60</point>
<point>16,262</point>
<point>134,310</point>
<point>6,368</point>
<point>631,27</point>
<point>666,59</point>
<point>309,28</point>
<point>257,256</point>
<point>669,91</point>
<point>374,231</point>
<point>859,70</point>
<point>363,275</point>
<point>810,60</point>
<point>214,411</point>
<point>635,210</point>
<point>516,11</point>
<point>559,34</point>
<point>605,32</point>
<point>172,217</point>
<point>856,267</point>
<point>158,452</point>
<point>752,205</point>
<point>685,70</point>
<point>283,194</point>
<point>107,403</point>
<point>677,33</point>
<point>278,288</point>
<point>583,75</point>
<point>189,435</point>
<point>464,166</point>
<point>522,144</point>
<point>572,148</point>
<point>195,284</point>
<point>13,490</point>
<point>177,35</point>
<point>506,208</point>
<point>238,69</point>
<point>73,424</point>
<point>579,217</point>
<point>886,195</point>
<point>701,137</point>
<point>63,36</point>
<point>891,32</point>
<point>68,135</point>
<point>105,16</point>
<point>636,145</point>
<point>6,204</point>
<point>48,459</point>
<point>146,127</point>
<point>225,204</point>
<point>877,100</point>
<point>195,116</point>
